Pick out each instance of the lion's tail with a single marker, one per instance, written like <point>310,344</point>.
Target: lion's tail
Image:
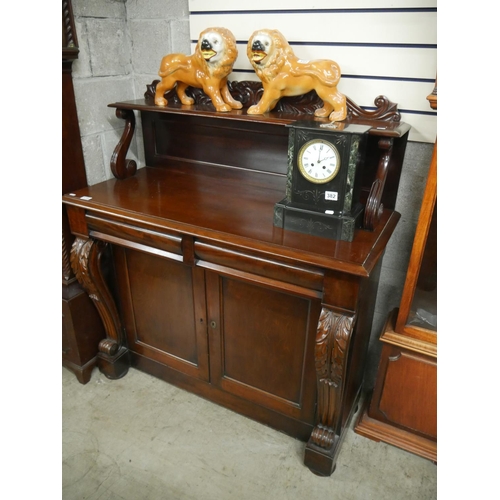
<point>172,63</point>
<point>328,76</point>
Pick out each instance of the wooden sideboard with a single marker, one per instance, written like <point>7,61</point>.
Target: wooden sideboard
<point>202,290</point>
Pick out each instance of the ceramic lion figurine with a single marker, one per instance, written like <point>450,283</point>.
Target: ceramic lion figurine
<point>283,74</point>
<point>207,69</point>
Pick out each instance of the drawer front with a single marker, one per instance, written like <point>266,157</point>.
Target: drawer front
<point>167,244</point>
<point>283,273</point>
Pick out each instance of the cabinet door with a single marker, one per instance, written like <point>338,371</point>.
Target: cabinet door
<point>262,344</point>
<point>405,395</point>
<point>163,305</point>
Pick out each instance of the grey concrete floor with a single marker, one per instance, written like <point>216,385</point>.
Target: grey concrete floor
<point>140,438</point>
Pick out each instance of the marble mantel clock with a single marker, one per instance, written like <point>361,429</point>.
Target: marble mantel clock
<point>323,180</point>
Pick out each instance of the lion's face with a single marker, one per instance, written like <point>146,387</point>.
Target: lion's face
<point>212,46</point>
<point>260,46</point>
<point>267,51</point>
<point>217,46</point>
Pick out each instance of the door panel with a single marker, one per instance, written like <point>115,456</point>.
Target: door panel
<point>164,309</point>
<point>262,344</point>
<point>406,396</point>
<point>409,397</point>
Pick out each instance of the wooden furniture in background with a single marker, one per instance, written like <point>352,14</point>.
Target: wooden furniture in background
<point>82,327</point>
<point>403,407</point>
<point>207,293</point>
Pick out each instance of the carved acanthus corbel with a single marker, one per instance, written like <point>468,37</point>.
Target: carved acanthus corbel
<point>331,351</point>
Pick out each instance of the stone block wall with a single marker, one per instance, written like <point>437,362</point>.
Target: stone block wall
<point>121,44</point>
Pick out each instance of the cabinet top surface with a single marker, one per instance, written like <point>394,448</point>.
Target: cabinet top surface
<point>227,205</point>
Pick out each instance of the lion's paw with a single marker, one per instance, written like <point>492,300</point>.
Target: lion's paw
<point>236,105</point>
<point>224,108</point>
<point>322,112</point>
<point>187,101</point>
<point>253,110</point>
<point>160,101</point>
<point>337,116</point>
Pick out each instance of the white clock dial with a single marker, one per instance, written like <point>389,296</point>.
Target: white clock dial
<point>318,161</point>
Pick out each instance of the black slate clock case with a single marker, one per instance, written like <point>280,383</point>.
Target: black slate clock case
<point>310,207</point>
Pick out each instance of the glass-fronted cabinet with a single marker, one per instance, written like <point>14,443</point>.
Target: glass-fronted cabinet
<point>417,314</point>
<point>402,410</point>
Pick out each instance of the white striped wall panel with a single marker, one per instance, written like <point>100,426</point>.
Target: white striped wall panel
<point>384,47</point>
<point>380,62</point>
<point>334,27</point>
<point>263,5</point>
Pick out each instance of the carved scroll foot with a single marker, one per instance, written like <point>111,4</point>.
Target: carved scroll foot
<point>113,361</point>
<point>86,261</point>
<point>331,354</point>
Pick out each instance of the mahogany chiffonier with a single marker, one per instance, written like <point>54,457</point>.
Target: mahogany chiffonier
<point>203,290</point>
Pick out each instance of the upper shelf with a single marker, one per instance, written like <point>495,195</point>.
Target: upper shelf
<point>384,120</point>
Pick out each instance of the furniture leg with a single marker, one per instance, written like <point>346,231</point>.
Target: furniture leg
<point>86,257</point>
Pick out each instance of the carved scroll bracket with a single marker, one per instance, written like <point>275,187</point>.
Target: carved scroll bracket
<point>385,110</point>
<point>120,166</point>
<point>374,206</point>
<point>86,261</point>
